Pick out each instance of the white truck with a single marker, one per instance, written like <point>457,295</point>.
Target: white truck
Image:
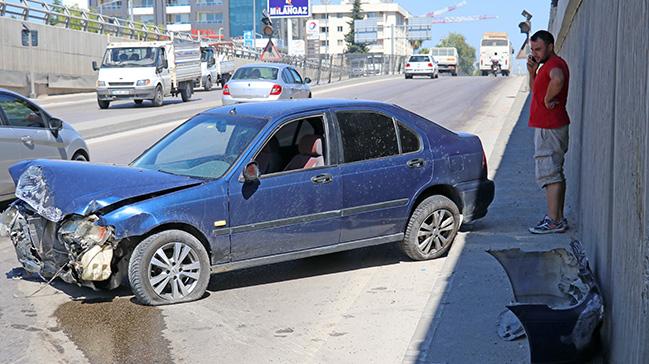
<point>215,68</point>
<point>446,58</point>
<point>496,45</point>
<point>141,71</point>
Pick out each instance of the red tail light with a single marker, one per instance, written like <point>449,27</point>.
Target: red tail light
<point>481,62</point>
<point>407,65</point>
<point>226,90</point>
<point>276,90</point>
<point>430,65</point>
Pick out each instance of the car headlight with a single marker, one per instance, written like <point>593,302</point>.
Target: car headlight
<point>7,220</point>
<point>143,83</point>
<point>84,231</point>
<point>101,83</point>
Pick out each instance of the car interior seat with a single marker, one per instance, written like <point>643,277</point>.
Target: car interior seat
<point>269,159</point>
<point>310,154</point>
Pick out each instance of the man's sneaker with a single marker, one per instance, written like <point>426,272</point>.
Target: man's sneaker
<point>549,226</point>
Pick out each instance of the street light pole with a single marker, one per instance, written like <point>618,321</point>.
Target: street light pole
<point>254,25</point>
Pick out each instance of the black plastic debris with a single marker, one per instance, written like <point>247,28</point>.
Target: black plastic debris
<point>557,301</point>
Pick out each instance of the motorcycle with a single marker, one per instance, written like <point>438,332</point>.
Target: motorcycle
<point>495,67</point>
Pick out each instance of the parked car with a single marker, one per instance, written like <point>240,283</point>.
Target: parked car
<point>421,65</point>
<point>265,82</point>
<point>29,132</point>
<point>247,185</point>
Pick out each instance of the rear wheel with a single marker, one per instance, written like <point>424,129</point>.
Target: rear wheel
<point>169,267</point>
<point>208,84</point>
<point>408,77</point>
<point>431,229</point>
<point>138,102</point>
<point>103,104</point>
<point>186,93</point>
<point>157,96</point>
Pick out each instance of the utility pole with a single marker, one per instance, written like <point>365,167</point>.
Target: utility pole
<point>392,50</point>
<point>254,25</point>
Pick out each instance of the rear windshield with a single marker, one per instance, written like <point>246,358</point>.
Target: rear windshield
<point>256,73</point>
<point>442,52</point>
<point>419,59</point>
<point>494,43</point>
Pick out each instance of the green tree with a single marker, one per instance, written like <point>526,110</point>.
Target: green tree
<point>465,52</point>
<point>423,50</point>
<point>353,47</point>
<point>57,6</point>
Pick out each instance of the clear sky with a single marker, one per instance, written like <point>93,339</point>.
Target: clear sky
<point>507,11</point>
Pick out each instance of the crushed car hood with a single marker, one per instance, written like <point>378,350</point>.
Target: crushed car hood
<point>59,188</point>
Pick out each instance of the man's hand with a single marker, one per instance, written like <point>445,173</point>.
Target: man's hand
<point>532,65</point>
<point>550,104</point>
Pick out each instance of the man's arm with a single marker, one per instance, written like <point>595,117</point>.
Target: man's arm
<point>555,86</point>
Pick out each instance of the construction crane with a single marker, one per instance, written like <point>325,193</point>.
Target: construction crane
<point>436,19</point>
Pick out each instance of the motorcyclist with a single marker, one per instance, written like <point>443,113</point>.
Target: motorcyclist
<point>495,63</point>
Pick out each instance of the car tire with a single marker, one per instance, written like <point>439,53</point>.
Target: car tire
<point>208,84</point>
<point>138,102</point>
<point>103,104</point>
<point>186,93</point>
<point>166,285</point>
<point>431,229</point>
<point>79,157</point>
<point>310,96</point>
<point>158,96</point>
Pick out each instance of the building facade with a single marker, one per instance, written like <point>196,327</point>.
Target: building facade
<point>243,14</point>
<point>208,17</point>
<point>333,22</point>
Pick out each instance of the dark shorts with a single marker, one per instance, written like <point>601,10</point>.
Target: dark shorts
<point>550,147</point>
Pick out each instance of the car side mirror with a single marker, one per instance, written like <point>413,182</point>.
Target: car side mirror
<point>251,172</point>
<point>307,80</point>
<point>56,124</point>
<point>94,66</point>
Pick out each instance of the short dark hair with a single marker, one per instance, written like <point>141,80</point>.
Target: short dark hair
<point>544,35</point>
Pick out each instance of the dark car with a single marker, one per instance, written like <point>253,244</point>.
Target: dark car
<point>246,185</point>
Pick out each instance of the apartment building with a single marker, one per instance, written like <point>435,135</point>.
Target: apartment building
<point>391,19</point>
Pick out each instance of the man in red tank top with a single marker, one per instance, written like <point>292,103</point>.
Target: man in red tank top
<point>549,118</point>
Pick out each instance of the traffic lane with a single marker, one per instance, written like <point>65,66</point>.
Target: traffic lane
<point>449,101</point>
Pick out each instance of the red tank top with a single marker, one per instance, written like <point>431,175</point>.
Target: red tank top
<point>540,116</point>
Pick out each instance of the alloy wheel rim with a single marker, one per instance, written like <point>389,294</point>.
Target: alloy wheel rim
<point>435,231</point>
<point>174,271</point>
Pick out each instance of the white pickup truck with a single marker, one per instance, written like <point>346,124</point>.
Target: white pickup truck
<point>215,68</point>
<point>148,71</point>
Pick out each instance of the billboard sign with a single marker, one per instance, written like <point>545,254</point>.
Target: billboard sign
<point>247,39</point>
<point>312,30</point>
<point>289,8</point>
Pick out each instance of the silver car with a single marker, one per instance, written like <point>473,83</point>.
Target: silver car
<point>265,82</point>
<point>29,132</point>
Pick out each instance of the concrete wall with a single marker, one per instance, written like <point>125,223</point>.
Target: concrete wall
<point>62,60</point>
<point>607,47</point>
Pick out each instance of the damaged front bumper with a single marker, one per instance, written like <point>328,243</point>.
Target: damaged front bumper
<point>76,249</point>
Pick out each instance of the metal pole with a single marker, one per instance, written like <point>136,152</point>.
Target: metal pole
<point>392,50</point>
<point>130,10</point>
<point>32,85</point>
<point>254,25</point>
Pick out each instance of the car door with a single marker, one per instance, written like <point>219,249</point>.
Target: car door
<point>10,154</point>
<point>300,85</point>
<point>290,89</point>
<point>383,166</point>
<point>165,75</point>
<point>34,139</point>
<point>288,210</point>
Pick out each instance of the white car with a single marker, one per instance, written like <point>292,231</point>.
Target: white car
<point>421,65</point>
<point>265,82</point>
<point>28,132</point>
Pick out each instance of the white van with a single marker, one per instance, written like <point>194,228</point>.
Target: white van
<point>447,59</point>
<point>496,44</point>
<point>148,71</point>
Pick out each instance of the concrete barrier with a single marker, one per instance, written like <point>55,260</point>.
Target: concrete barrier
<point>606,45</point>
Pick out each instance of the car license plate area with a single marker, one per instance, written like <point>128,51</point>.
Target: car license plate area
<point>120,92</point>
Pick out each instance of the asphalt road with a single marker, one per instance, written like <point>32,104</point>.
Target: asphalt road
<point>350,307</point>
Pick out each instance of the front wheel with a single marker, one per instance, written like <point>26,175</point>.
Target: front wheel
<point>431,229</point>
<point>157,96</point>
<point>169,267</point>
<point>186,93</point>
<point>208,84</point>
<point>103,104</point>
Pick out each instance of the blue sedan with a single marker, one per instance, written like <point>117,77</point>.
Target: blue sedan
<point>246,185</point>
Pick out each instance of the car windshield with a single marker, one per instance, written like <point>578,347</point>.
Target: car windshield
<point>130,57</point>
<point>206,146</point>
<point>256,73</point>
<point>419,59</point>
<point>494,43</point>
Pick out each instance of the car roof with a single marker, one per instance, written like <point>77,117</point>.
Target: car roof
<point>4,90</point>
<point>277,109</point>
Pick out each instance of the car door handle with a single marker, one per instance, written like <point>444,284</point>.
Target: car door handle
<point>322,178</point>
<point>27,140</point>
<point>416,163</point>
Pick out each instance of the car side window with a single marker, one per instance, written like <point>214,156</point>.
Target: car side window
<point>296,76</point>
<point>408,138</point>
<point>20,113</point>
<point>287,76</point>
<point>287,150</point>
<point>366,135</point>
